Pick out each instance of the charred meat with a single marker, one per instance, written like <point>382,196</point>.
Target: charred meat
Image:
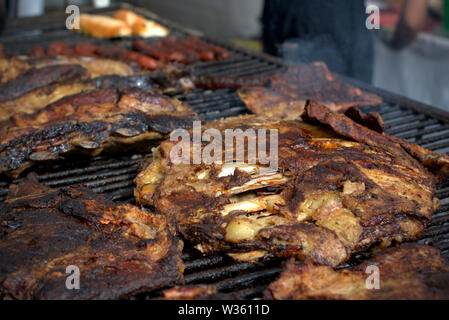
<point>183,50</point>
<point>29,85</point>
<point>144,55</point>
<point>339,188</point>
<point>198,292</point>
<point>36,88</point>
<point>290,90</point>
<point>89,122</point>
<point>119,249</point>
<point>96,67</point>
<point>407,272</point>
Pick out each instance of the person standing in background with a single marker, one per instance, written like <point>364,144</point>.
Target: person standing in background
<point>333,31</point>
<point>413,19</point>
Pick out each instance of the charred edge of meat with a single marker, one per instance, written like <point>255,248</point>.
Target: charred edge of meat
<point>38,78</point>
<point>371,120</point>
<point>341,124</point>
<point>50,141</point>
<point>409,271</point>
<point>198,292</point>
<point>212,82</point>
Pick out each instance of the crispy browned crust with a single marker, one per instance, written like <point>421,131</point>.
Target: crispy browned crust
<point>436,163</point>
<point>36,88</point>
<point>10,69</point>
<point>28,85</point>
<point>271,104</point>
<point>371,120</point>
<point>120,250</point>
<point>89,122</point>
<point>290,90</point>
<point>37,78</point>
<point>332,196</point>
<point>410,271</point>
<point>198,292</point>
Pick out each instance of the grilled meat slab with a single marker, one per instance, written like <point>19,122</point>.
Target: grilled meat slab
<point>289,91</point>
<point>29,85</point>
<point>119,249</point>
<point>36,88</point>
<point>331,196</point>
<point>407,272</point>
<point>96,67</point>
<point>89,123</point>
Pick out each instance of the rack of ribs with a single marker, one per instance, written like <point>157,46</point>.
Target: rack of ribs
<point>29,84</point>
<point>286,97</point>
<point>119,249</point>
<point>340,188</point>
<point>89,123</point>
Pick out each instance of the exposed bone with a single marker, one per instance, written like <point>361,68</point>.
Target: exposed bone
<point>246,227</point>
<point>127,132</point>
<point>89,144</point>
<point>254,205</point>
<point>353,188</point>
<point>248,256</point>
<point>43,155</point>
<point>203,174</point>
<point>259,182</point>
<point>228,169</point>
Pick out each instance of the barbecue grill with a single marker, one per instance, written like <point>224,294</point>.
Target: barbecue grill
<point>114,174</point>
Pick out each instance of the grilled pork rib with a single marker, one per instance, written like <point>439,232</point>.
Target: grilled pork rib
<point>36,88</point>
<point>410,271</point>
<point>331,196</point>
<point>89,122</point>
<point>119,249</point>
<point>12,68</point>
<point>289,91</point>
<point>29,85</point>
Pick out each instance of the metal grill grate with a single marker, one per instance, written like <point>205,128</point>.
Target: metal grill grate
<point>113,174</point>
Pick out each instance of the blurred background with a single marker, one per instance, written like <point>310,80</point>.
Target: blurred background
<point>408,55</point>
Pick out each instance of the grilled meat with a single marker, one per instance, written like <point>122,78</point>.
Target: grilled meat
<point>289,91</point>
<point>147,56</point>
<point>411,271</point>
<point>357,130</point>
<point>89,122</point>
<point>29,85</point>
<point>119,249</point>
<point>266,102</point>
<point>85,49</point>
<point>198,292</point>
<point>36,88</point>
<point>213,82</point>
<point>330,197</point>
<point>96,67</point>
<point>184,50</point>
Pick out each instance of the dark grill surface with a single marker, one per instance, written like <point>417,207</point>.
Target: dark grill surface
<point>113,175</point>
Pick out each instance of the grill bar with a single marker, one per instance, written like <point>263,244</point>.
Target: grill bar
<point>246,280</point>
<point>208,276</point>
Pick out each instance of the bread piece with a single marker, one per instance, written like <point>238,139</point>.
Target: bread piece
<point>148,28</point>
<point>141,26</point>
<point>103,26</point>
<point>127,16</point>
